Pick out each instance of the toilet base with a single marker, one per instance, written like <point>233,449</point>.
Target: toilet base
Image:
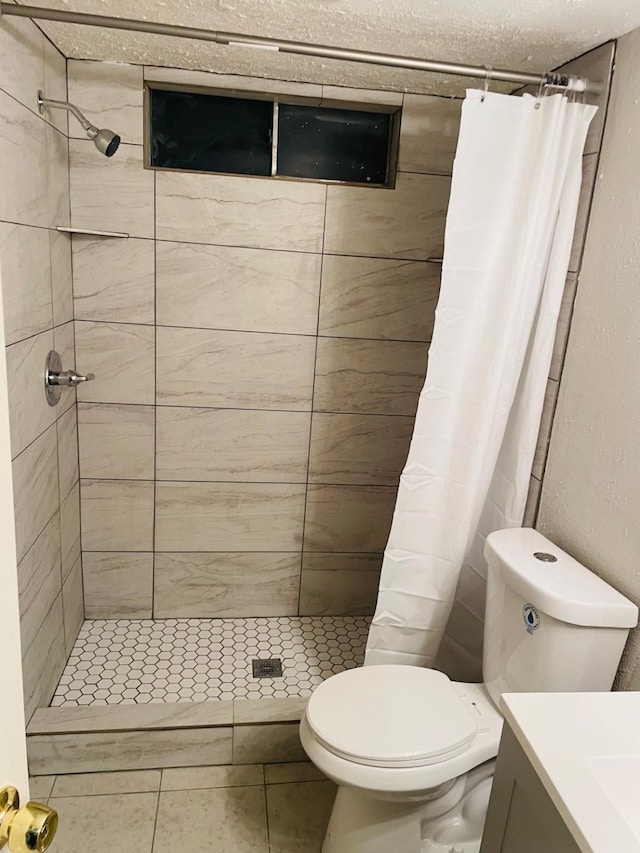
<point>452,823</point>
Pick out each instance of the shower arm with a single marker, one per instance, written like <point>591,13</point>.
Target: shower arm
<point>43,103</point>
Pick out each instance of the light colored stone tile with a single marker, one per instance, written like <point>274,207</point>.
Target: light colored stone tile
<point>407,222</point>
<point>29,412</point>
<point>90,784</point>
<point>40,787</point>
<point>233,82</point>
<point>429,134</point>
<point>358,449</point>
<point>191,778</point>
<point>118,822</point>
<point>222,287</point>
<point>64,343</point>
<point>544,435</point>
<point>132,750</point>
<point>116,442</point>
<point>67,427</point>
<point>121,356</point>
<point>533,499</point>
<point>228,516</point>
<point>266,744</point>
<point>61,277</point>
<point>39,582</point>
<point>73,605</point>
<point>55,85</point>
<point>299,815</point>
<point>57,175</point>
<point>70,530</point>
<point>224,820</point>
<point>564,323</point>
<point>35,489</point>
<point>293,771</point>
<point>21,59</point>
<point>377,298</point>
<point>111,193</point>
<point>226,584</point>
<point>118,585</point>
<point>111,94</point>
<point>360,96</point>
<point>117,515</point>
<point>234,369</point>
<point>348,518</point>
<point>269,710</point>
<point>369,377</point>
<point>339,584</point>
<point>238,211</point>
<point>113,280</point>
<point>589,166</point>
<point>26,281</point>
<point>23,151</point>
<point>44,661</point>
<point>232,444</point>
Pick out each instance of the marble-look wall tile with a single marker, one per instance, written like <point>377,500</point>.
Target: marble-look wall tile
<point>29,412</point>
<point>358,449</point>
<point>26,281</point>
<point>226,585</point>
<point>223,287</point>
<point>21,59</point>
<point>118,585</point>
<point>73,606</point>
<point>238,211</point>
<point>55,85</point>
<point>589,166</point>
<point>339,584</point>
<point>65,344</point>
<point>229,517</point>
<point>234,369</point>
<point>111,193</point>
<point>67,426</point>
<point>39,582</point>
<point>533,500</point>
<point>254,745</point>
<point>57,175</point>
<point>35,488</point>
<point>407,222</point>
<point>348,518</point>
<point>70,530</point>
<point>24,157</point>
<point>232,445</point>
<point>117,515</point>
<point>269,710</point>
<point>377,298</point>
<point>122,357</point>
<point>116,442</point>
<point>564,323</point>
<point>111,93</point>
<point>113,280</point>
<point>370,377</point>
<point>429,134</point>
<point>546,422</point>
<point>61,277</point>
<point>44,661</point>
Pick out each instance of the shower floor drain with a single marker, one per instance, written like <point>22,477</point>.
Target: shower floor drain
<point>269,668</point>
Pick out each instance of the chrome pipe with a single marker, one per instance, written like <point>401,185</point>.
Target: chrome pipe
<point>298,48</point>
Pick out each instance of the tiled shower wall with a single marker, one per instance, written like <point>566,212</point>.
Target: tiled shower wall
<point>35,266</point>
<point>259,347</point>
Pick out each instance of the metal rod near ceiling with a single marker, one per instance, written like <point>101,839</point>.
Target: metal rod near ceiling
<point>300,48</point>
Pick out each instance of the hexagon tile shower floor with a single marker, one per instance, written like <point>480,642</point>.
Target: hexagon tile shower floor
<point>136,661</point>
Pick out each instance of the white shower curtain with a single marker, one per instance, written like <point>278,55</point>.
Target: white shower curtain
<point>514,196</point>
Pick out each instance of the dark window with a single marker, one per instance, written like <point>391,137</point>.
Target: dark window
<point>333,144</point>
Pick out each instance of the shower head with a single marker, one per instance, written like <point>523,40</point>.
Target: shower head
<point>106,141</point>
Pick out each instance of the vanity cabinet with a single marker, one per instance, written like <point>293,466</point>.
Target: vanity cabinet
<point>521,816</point>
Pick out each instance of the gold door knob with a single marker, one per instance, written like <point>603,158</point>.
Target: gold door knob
<point>26,828</point>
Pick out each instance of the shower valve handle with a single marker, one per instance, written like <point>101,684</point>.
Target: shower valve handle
<point>71,377</point>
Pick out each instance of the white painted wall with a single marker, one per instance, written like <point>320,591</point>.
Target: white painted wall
<point>591,491</point>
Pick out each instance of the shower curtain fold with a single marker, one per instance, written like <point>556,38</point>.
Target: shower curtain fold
<point>514,198</point>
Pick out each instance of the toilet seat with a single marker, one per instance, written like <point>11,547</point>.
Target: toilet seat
<point>391,716</point>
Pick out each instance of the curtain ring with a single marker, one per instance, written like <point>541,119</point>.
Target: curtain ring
<point>487,80</point>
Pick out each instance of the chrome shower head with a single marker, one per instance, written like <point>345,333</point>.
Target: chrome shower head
<point>106,141</point>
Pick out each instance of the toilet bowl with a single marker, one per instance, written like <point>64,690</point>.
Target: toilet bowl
<point>413,752</point>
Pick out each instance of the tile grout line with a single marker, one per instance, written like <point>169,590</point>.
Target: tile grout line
<point>155,399</point>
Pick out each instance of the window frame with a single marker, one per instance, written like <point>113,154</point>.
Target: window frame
<point>274,98</point>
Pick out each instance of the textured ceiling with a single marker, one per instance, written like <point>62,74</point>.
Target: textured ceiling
<point>527,35</point>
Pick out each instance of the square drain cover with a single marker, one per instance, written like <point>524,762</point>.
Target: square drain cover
<point>269,668</point>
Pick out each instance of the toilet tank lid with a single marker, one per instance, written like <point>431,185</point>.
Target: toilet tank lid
<point>563,588</point>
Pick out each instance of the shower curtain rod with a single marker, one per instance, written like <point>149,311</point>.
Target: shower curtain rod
<point>551,78</point>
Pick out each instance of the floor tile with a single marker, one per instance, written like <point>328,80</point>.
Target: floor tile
<point>40,787</point>
<point>125,782</point>
<point>298,816</point>
<point>292,771</point>
<point>228,776</point>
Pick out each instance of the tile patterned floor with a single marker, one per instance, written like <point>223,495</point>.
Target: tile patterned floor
<point>136,661</point>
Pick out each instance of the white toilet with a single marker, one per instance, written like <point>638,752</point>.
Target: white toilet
<point>413,752</point>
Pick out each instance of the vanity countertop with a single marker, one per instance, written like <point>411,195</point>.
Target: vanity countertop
<point>585,748</point>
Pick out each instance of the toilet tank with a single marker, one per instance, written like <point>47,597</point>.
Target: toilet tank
<point>551,625</point>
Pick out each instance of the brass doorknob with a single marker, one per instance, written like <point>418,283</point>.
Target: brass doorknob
<point>26,828</point>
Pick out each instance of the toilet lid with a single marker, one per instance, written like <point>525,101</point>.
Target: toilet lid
<point>391,716</point>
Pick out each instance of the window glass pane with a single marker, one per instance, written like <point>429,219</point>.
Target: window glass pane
<point>333,144</point>
<point>208,133</point>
